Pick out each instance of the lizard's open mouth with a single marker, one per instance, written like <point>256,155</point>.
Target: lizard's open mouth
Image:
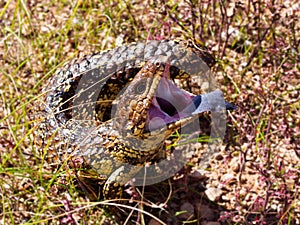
<point>171,104</point>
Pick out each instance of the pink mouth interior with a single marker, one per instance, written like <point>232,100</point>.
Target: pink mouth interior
<point>169,105</point>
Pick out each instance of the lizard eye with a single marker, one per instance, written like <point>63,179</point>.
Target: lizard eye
<point>139,89</point>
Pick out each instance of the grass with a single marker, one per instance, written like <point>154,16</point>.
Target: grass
<point>257,47</point>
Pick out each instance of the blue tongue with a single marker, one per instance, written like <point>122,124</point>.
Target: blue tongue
<point>230,106</point>
<point>212,101</point>
<point>197,100</point>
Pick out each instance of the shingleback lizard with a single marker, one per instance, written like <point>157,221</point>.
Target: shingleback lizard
<point>91,117</point>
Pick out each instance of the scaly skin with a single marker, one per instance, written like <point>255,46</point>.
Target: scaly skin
<point>81,120</point>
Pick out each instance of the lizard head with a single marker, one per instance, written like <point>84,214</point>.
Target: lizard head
<point>153,107</point>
